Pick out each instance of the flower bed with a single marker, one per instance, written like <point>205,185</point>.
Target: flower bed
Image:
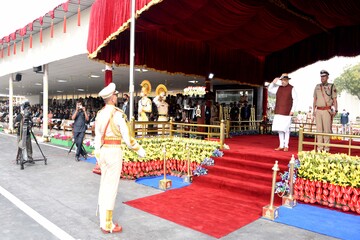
<point>328,179</point>
<point>89,145</point>
<point>61,142</point>
<point>331,195</point>
<point>88,149</point>
<point>178,151</point>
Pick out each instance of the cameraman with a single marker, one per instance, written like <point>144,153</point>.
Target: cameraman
<point>80,118</point>
<point>24,117</point>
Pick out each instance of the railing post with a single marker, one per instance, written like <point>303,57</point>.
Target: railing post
<point>350,140</point>
<point>171,127</point>
<point>222,134</point>
<point>227,128</point>
<point>288,200</point>
<point>188,178</point>
<point>165,183</point>
<point>301,139</point>
<point>269,211</point>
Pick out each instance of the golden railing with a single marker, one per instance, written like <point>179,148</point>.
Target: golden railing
<point>349,138</point>
<point>170,128</point>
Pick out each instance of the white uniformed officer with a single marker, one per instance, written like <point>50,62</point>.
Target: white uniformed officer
<point>110,129</point>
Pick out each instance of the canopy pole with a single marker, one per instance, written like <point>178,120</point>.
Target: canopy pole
<point>11,104</point>
<point>45,102</point>
<point>132,59</point>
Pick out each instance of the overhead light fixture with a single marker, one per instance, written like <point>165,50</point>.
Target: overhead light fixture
<point>141,70</point>
<point>38,84</point>
<point>94,76</point>
<point>193,81</point>
<point>61,80</point>
<point>81,89</point>
<point>211,75</point>
<point>59,91</point>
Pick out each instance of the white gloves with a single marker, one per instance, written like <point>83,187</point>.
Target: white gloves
<point>141,152</point>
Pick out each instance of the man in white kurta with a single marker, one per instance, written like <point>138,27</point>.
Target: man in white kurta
<point>286,100</point>
<point>111,129</point>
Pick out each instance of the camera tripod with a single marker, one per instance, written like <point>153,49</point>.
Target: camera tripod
<point>22,154</point>
<point>72,146</point>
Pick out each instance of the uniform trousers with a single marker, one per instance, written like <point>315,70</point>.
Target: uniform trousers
<point>110,162</point>
<point>323,125</point>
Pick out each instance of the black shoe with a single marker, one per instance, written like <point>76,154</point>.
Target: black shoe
<point>31,160</point>
<point>77,158</point>
<point>85,156</point>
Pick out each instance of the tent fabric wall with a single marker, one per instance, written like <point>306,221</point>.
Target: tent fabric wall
<point>242,40</point>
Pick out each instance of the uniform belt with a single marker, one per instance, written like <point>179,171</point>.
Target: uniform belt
<point>112,142</point>
<point>323,108</point>
<point>163,115</point>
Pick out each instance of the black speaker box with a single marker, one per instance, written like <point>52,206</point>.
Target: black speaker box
<point>37,69</point>
<point>18,77</point>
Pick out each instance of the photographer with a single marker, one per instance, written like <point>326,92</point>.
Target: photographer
<point>80,118</point>
<point>23,123</point>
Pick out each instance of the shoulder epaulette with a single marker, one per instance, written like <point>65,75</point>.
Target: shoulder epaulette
<point>119,110</point>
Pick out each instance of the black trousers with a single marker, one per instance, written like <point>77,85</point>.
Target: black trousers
<point>79,138</point>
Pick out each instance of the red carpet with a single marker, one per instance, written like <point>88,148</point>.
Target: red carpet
<point>231,195</point>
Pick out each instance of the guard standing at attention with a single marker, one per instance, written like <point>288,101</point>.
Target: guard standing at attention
<point>110,129</point>
<point>325,108</point>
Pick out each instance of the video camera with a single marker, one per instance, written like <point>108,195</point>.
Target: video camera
<point>25,109</point>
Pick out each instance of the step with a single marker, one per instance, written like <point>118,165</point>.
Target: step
<point>241,174</point>
<point>243,187</point>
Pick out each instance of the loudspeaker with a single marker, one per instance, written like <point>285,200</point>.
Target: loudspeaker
<point>37,69</point>
<point>18,77</point>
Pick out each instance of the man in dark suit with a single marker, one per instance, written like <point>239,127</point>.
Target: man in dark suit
<point>126,107</point>
<point>80,118</point>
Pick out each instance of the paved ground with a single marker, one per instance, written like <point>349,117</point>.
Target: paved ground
<point>58,201</point>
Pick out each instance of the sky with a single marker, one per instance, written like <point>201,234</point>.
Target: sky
<point>15,15</point>
<point>305,79</point>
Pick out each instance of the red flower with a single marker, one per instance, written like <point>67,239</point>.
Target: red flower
<point>345,208</point>
<point>325,192</point>
<point>356,191</point>
<point>331,199</point>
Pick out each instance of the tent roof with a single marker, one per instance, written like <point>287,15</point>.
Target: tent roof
<point>247,41</point>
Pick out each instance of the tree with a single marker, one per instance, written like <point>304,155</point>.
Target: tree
<point>349,81</point>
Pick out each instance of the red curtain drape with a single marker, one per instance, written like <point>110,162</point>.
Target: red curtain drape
<point>243,40</point>
<point>108,19</point>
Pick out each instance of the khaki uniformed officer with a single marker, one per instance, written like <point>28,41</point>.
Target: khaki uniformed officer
<point>110,129</point>
<point>325,108</point>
